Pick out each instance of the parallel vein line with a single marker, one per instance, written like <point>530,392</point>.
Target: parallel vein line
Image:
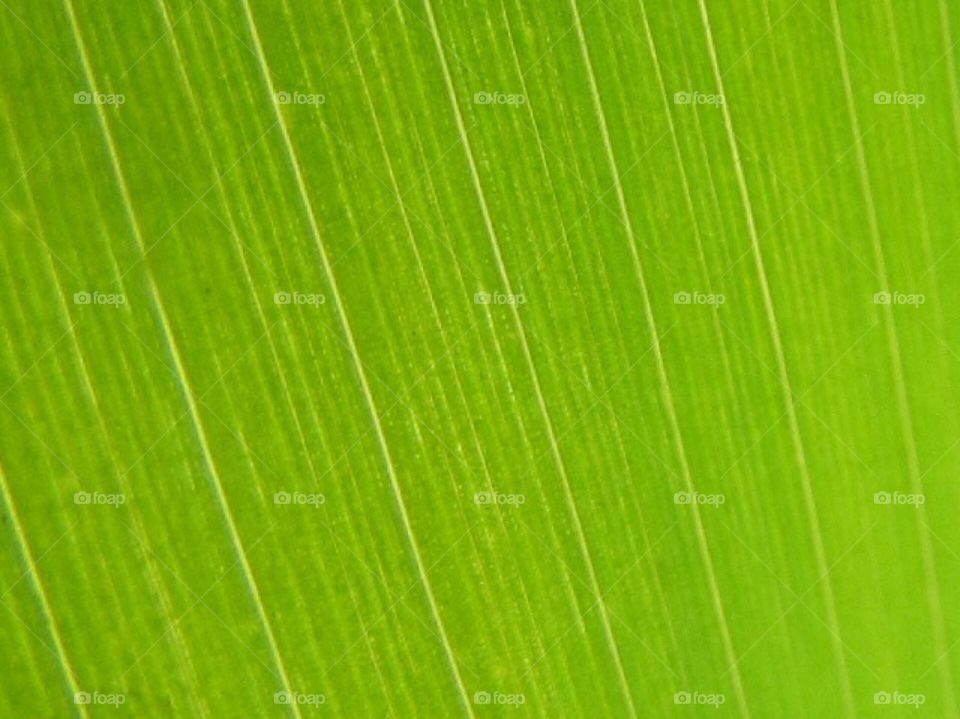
<point>179,366</point>
<point>434,307</point>
<point>358,364</point>
<point>667,393</point>
<point>934,601</point>
<point>491,231</point>
<point>784,376</point>
<point>68,672</point>
<point>565,239</point>
<point>187,663</point>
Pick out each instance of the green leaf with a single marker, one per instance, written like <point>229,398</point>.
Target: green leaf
<point>435,358</point>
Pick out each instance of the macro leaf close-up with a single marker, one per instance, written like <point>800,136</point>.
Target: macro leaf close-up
<point>436,358</point>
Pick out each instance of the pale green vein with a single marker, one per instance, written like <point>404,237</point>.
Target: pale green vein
<point>61,654</point>
<point>361,373</point>
<point>784,375</point>
<point>663,380</point>
<point>180,370</point>
<point>903,403</point>
<point>528,357</point>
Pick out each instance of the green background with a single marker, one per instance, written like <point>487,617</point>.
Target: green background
<point>400,397</point>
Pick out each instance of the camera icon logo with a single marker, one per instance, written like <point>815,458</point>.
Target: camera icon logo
<point>682,698</point>
<point>81,497</point>
<point>82,298</point>
<point>882,498</point>
<point>281,498</point>
<point>481,298</point>
<point>284,98</point>
<point>282,298</point>
<point>682,98</point>
<point>281,697</point>
<point>482,98</point>
<point>881,298</point>
<point>82,98</point>
<point>481,698</point>
<point>881,698</point>
<point>81,698</point>
<point>681,298</point>
<point>882,98</point>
